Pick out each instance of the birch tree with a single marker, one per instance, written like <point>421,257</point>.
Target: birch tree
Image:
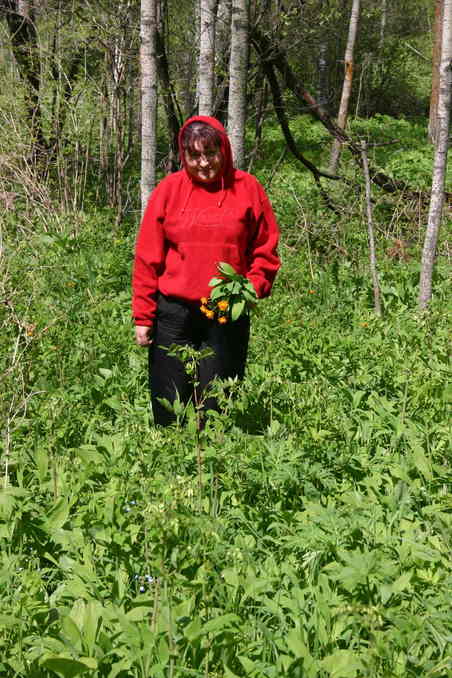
<point>148,62</point>
<point>436,60</point>
<point>347,86</point>
<point>440,160</point>
<point>238,67</point>
<point>207,12</point>
<point>222,54</point>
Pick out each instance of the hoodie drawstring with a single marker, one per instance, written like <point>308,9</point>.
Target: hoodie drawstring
<point>223,192</point>
<point>190,191</point>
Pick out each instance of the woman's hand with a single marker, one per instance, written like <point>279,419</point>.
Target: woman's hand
<point>143,335</point>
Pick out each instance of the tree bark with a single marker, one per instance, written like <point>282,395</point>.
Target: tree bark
<point>383,22</point>
<point>208,10</point>
<point>440,160</point>
<point>347,86</point>
<point>172,109</point>
<point>322,73</point>
<point>238,67</point>
<point>436,61</point>
<point>148,63</point>
<point>222,56</point>
<point>322,64</point>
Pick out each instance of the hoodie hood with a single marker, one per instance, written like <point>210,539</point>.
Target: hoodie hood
<point>227,170</point>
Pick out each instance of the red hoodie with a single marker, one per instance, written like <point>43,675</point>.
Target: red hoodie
<point>188,228</point>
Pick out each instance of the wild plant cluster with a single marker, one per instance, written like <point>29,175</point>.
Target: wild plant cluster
<point>304,532</point>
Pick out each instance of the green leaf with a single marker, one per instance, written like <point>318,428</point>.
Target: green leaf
<point>89,455</point>
<point>224,621</point>
<point>91,624</point>
<point>58,515</point>
<point>163,651</point>
<point>227,269</point>
<point>139,613</point>
<point>237,309</point>
<point>42,463</point>
<point>114,403</point>
<point>217,293</point>
<point>8,620</point>
<point>72,632</point>
<point>67,667</point>
<point>421,462</point>
<point>193,630</point>
<point>402,582</point>
<point>248,665</point>
<point>231,577</point>
<point>295,643</point>
<point>122,665</point>
<point>216,281</point>
<point>342,664</point>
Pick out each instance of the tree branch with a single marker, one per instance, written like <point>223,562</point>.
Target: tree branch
<point>290,141</point>
<point>272,53</point>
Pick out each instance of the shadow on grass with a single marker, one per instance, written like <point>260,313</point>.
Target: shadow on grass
<point>254,421</point>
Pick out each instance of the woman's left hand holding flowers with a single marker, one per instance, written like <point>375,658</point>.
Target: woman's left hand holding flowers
<point>232,296</point>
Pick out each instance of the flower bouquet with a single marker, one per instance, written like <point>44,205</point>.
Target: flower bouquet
<point>232,296</point>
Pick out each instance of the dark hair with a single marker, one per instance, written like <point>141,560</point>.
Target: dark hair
<point>200,131</point>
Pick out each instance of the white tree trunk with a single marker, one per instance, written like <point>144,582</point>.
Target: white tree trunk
<point>238,69</point>
<point>383,21</point>
<point>23,8</point>
<point>436,61</point>
<point>440,160</point>
<point>207,12</point>
<point>348,79</point>
<point>148,62</point>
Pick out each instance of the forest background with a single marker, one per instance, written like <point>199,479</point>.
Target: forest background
<point>307,531</point>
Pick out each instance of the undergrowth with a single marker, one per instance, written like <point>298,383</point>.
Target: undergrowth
<point>305,532</point>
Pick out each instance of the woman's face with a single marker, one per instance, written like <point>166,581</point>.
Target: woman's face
<point>203,163</point>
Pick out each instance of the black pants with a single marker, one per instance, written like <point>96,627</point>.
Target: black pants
<point>184,324</point>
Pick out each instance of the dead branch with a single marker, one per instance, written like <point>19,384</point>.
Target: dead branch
<point>270,52</point>
<point>290,141</point>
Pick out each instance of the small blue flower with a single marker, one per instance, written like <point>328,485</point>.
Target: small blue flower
<point>136,576</point>
<point>142,589</point>
<point>127,509</point>
<point>149,579</point>
<point>133,502</point>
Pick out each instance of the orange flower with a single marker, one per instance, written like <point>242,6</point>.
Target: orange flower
<point>222,320</point>
<point>203,301</point>
<point>209,314</point>
<point>223,305</point>
<point>203,308</point>
<point>311,291</point>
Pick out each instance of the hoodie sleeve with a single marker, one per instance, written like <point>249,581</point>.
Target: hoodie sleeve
<point>149,259</point>
<point>263,260</point>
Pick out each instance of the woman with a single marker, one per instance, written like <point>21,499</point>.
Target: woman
<point>208,212</point>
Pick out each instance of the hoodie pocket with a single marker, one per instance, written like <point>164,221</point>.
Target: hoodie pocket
<point>200,260</point>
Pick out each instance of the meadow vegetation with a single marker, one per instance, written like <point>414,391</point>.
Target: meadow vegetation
<point>306,531</point>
